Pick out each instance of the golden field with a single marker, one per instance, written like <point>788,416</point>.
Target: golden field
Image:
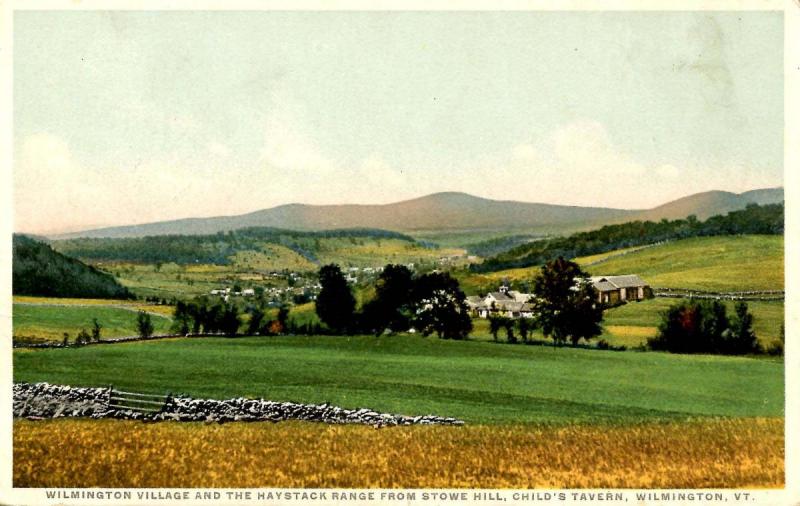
<point>701,453</point>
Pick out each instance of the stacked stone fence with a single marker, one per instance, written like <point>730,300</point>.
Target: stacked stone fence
<point>27,342</point>
<point>42,400</point>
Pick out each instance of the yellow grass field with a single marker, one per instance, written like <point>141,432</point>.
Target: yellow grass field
<point>702,453</point>
<point>63,301</point>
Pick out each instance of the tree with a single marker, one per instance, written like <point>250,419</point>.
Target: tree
<point>96,329</point>
<point>144,325</point>
<point>509,325</point>
<point>742,339</point>
<point>495,324</point>
<point>566,302</point>
<point>525,326</point>
<point>182,318</point>
<point>704,327</point>
<point>256,320</point>
<point>335,304</point>
<point>439,307</point>
<point>390,307</point>
<point>283,317</point>
<point>229,320</point>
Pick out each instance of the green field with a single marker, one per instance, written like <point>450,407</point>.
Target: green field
<point>50,321</point>
<point>479,382</point>
<point>728,263</point>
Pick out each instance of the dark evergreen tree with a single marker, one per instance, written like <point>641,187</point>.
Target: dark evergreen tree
<point>742,338</point>
<point>182,318</point>
<point>229,321</point>
<point>335,304</point>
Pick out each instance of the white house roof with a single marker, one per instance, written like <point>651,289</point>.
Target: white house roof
<point>500,297</point>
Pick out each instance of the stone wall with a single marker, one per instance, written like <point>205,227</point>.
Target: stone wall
<point>42,400</point>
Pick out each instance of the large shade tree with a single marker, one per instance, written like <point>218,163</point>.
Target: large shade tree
<point>390,309</point>
<point>566,302</point>
<point>440,307</point>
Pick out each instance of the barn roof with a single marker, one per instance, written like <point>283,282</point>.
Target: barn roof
<point>607,283</point>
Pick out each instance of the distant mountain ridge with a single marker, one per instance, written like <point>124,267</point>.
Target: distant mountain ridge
<point>449,211</point>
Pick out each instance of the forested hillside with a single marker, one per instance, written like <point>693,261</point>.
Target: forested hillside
<point>754,219</point>
<point>215,248</point>
<point>38,270</point>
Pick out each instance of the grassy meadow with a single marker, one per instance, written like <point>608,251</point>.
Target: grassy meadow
<point>47,319</point>
<point>726,263</point>
<point>745,453</point>
<point>479,382</point>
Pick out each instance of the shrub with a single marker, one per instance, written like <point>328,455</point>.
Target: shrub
<point>144,324</point>
<point>704,327</point>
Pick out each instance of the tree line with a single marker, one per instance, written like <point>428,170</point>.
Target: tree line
<point>431,303</point>
<point>703,326</point>
<point>212,248</point>
<point>754,219</point>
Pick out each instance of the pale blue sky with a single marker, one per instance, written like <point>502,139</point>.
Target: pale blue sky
<point>172,114</point>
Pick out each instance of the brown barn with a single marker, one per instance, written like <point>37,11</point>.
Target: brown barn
<point>613,289</point>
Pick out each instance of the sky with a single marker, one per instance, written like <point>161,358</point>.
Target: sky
<point>133,117</point>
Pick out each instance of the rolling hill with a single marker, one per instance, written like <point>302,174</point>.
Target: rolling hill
<point>38,270</point>
<point>448,211</point>
<point>707,204</point>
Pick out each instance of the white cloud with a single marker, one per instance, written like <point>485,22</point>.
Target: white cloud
<point>578,164</point>
<point>286,145</point>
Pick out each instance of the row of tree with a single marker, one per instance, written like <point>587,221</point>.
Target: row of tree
<point>565,304</point>
<point>206,316</point>
<point>704,327</point>
<point>432,303</point>
<point>754,219</point>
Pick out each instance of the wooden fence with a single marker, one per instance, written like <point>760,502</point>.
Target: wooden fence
<point>143,403</point>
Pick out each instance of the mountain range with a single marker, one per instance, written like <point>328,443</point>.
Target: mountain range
<point>447,212</point>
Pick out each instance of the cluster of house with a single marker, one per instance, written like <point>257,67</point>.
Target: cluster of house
<point>227,292</point>
<point>273,292</point>
<point>513,304</point>
<point>503,302</point>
